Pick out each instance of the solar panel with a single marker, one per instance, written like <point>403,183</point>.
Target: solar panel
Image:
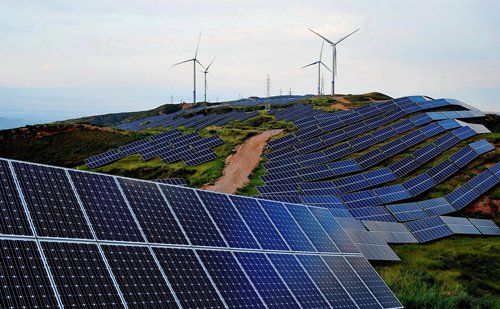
<point>462,196</point>
<point>106,208</point>
<point>193,217</point>
<point>266,280</point>
<point>428,229</point>
<point>391,232</point>
<point>298,281</point>
<point>483,182</point>
<point>227,218</point>
<point>437,206</point>
<point>487,227</point>
<point>460,225</point>
<point>231,280</point>
<point>138,276</point>
<point>259,223</point>
<point>392,193</point>
<point>287,226</point>
<point>351,282</point>
<point>407,211</point>
<point>419,184</point>
<point>189,280</point>
<point>326,281</point>
<point>81,276</point>
<point>361,199</point>
<point>25,282</point>
<point>13,220</point>
<point>152,212</point>
<point>377,213</point>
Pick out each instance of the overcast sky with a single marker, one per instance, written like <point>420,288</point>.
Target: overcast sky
<point>71,58</point>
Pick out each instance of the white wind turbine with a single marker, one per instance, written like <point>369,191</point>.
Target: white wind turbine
<point>195,60</point>
<point>205,73</point>
<point>319,63</point>
<point>334,56</point>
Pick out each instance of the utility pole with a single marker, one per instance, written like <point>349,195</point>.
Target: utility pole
<point>268,86</point>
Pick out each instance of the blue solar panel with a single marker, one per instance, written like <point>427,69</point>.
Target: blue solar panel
<point>446,141</point>
<point>419,184</point>
<point>426,153</point>
<point>487,227</point>
<point>287,226</point>
<point>266,280</point>
<point>463,156</point>
<point>407,211</point>
<point>377,213</point>
<point>230,279</point>
<point>460,225</point>
<point>392,193</point>
<point>54,209</point>
<point>13,220</point>
<point>81,276</point>
<point>483,182</point>
<point>495,169</point>
<point>324,200</point>
<point>188,278</point>
<point>156,220</point>
<point>312,228</point>
<point>139,278</point>
<point>373,281</point>
<point>379,176</point>
<point>258,222</point>
<point>326,281</point>
<point>428,229</point>
<point>107,210</point>
<point>361,199</point>
<point>443,170</point>
<point>437,206</point>
<point>192,215</point>
<point>462,196</point>
<point>463,133</point>
<point>351,282</point>
<point>228,220</point>
<point>25,283</point>
<point>298,281</point>
<point>404,166</point>
<point>481,146</point>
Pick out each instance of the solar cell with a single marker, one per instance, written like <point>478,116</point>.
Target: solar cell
<point>259,223</point>
<point>266,280</point>
<point>443,170</point>
<point>487,227</point>
<point>312,228</point>
<point>81,276</point>
<point>107,211</point>
<point>483,182</point>
<point>298,281</point>
<point>462,196</point>
<point>227,218</point>
<point>495,169</point>
<point>463,156</point>
<point>13,220</point>
<point>193,217</point>
<point>361,199</point>
<point>51,201</point>
<point>377,213</point>
<point>392,193</point>
<point>191,283</point>
<point>351,282</point>
<point>152,211</point>
<point>460,225</point>
<point>139,278</point>
<point>287,226</point>
<point>232,282</point>
<point>407,211</point>
<point>428,229</point>
<point>419,184</point>
<point>24,280</point>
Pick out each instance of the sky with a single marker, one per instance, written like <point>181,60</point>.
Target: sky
<point>64,59</point>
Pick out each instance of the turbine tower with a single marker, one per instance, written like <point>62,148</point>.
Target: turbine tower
<point>334,55</point>
<point>205,73</point>
<point>319,63</point>
<point>195,60</point>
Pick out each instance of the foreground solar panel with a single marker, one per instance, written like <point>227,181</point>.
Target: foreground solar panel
<point>78,239</point>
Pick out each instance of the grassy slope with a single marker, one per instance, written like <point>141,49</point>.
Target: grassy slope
<point>456,272</point>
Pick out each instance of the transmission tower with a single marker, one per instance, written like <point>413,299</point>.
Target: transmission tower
<point>268,86</point>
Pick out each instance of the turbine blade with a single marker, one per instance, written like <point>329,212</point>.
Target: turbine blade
<point>326,66</point>
<point>320,36</point>
<point>210,64</point>
<point>347,36</point>
<point>182,62</point>
<point>197,46</point>
<point>198,62</point>
<point>316,62</point>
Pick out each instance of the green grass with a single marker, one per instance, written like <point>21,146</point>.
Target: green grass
<point>457,272</point>
<point>250,189</point>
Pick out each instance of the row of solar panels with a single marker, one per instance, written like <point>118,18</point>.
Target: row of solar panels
<point>366,204</point>
<point>170,146</point>
<point>181,119</point>
<point>97,240</point>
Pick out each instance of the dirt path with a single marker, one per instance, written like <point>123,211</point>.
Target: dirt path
<point>342,103</point>
<point>242,163</point>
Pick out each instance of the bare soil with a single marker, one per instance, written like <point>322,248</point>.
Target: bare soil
<point>241,164</point>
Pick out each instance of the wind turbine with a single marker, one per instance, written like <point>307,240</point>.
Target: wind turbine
<point>195,60</point>
<point>319,63</point>
<point>334,56</point>
<point>205,73</point>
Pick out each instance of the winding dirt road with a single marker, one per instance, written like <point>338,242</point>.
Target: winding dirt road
<point>241,164</point>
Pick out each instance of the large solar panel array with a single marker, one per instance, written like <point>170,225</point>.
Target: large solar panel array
<point>77,239</point>
<point>169,146</point>
<point>185,118</point>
